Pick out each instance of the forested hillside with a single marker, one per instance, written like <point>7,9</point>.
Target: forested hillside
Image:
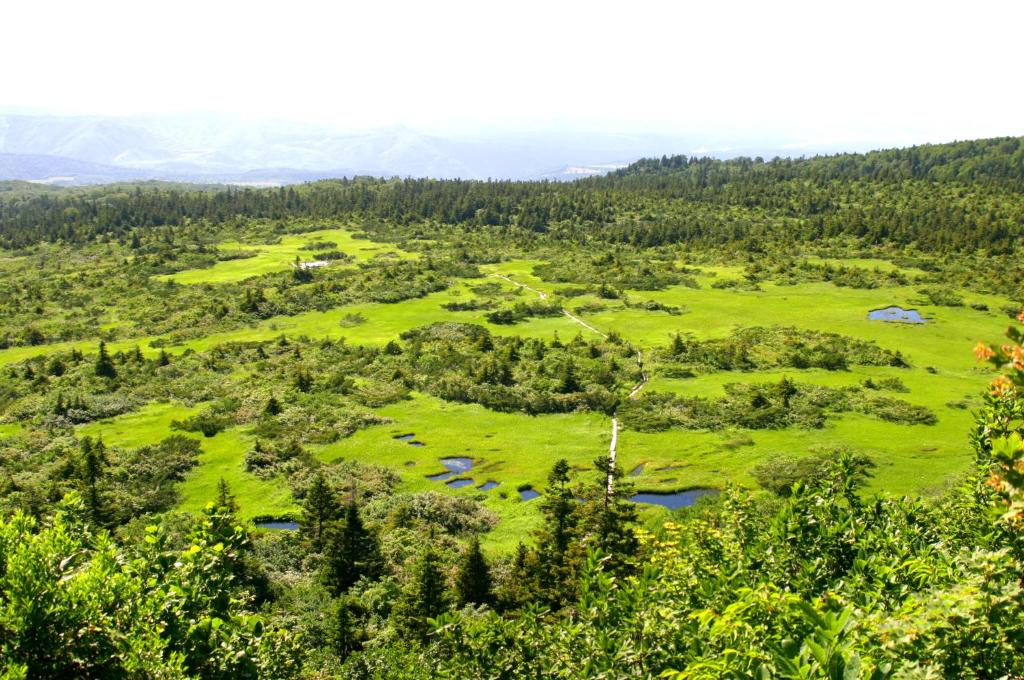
<point>693,419</point>
<point>937,198</point>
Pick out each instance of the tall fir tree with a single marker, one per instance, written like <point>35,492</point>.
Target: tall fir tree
<point>473,577</point>
<point>520,583</point>
<point>94,463</point>
<point>425,596</point>
<point>225,500</point>
<point>609,517</point>
<point>273,407</point>
<point>558,559</point>
<point>104,364</point>
<point>319,508</point>
<point>353,553</point>
<point>342,628</point>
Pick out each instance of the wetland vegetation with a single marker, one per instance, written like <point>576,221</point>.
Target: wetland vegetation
<point>361,428</point>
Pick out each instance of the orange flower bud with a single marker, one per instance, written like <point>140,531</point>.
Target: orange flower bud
<point>983,351</point>
<point>1001,387</point>
<point>1017,358</point>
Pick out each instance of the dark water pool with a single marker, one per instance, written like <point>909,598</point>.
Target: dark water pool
<point>895,313</point>
<point>404,437</point>
<point>680,499</point>
<point>287,526</point>
<point>458,464</point>
<point>459,483</point>
<point>488,485</point>
<point>637,471</point>
<point>528,494</point>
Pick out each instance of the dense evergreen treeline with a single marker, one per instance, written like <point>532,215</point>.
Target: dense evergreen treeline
<point>958,196</point>
<point>995,162</point>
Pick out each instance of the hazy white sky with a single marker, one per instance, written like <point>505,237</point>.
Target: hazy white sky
<point>818,71</point>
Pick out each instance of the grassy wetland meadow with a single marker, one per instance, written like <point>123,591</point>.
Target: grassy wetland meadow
<point>391,367</point>
<point>516,449</point>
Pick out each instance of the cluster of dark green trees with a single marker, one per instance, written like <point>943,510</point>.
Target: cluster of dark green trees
<point>813,580</point>
<point>760,348</point>
<point>767,406</point>
<point>465,363</point>
<point>904,196</point>
<point>432,580</point>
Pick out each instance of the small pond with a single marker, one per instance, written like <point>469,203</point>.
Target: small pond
<point>404,437</point>
<point>637,471</point>
<point>896,314</point>
<point>528,494</point>
<point>416,443</point>
<point>458,464</point>
<point>488,485</point>
<point>680,499</point>
<point>459,483</point>
<point>288,526</point>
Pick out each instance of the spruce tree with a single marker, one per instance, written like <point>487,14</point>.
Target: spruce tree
<point>273,407</point>
<point>319,508</point>
<point>342,630</point>
<point>104,364</point>
<point>557,557</point>
<point>568,382</point>
<point>303,381</point>
<point>520,584</point>
<point>353,553</point>
<point>56,367</point>
<point>94,462</point>
<point>473,577</point>
<point>426,595</point>
<point>484,343</point>
<point>60,408</point>
<point>609,516</point>
<point>225,499</point>
<point>678,345</point>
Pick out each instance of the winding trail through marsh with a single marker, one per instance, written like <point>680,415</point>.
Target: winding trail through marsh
<point>633,394</point>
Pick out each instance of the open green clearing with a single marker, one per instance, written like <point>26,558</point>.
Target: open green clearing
<point>517,450</point>
<point>512,449</point>
<point>382,322</point>
<point>280,256</point>
<point>222,456</point>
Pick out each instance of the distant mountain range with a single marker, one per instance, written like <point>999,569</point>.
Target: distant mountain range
<point>216,149</point>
